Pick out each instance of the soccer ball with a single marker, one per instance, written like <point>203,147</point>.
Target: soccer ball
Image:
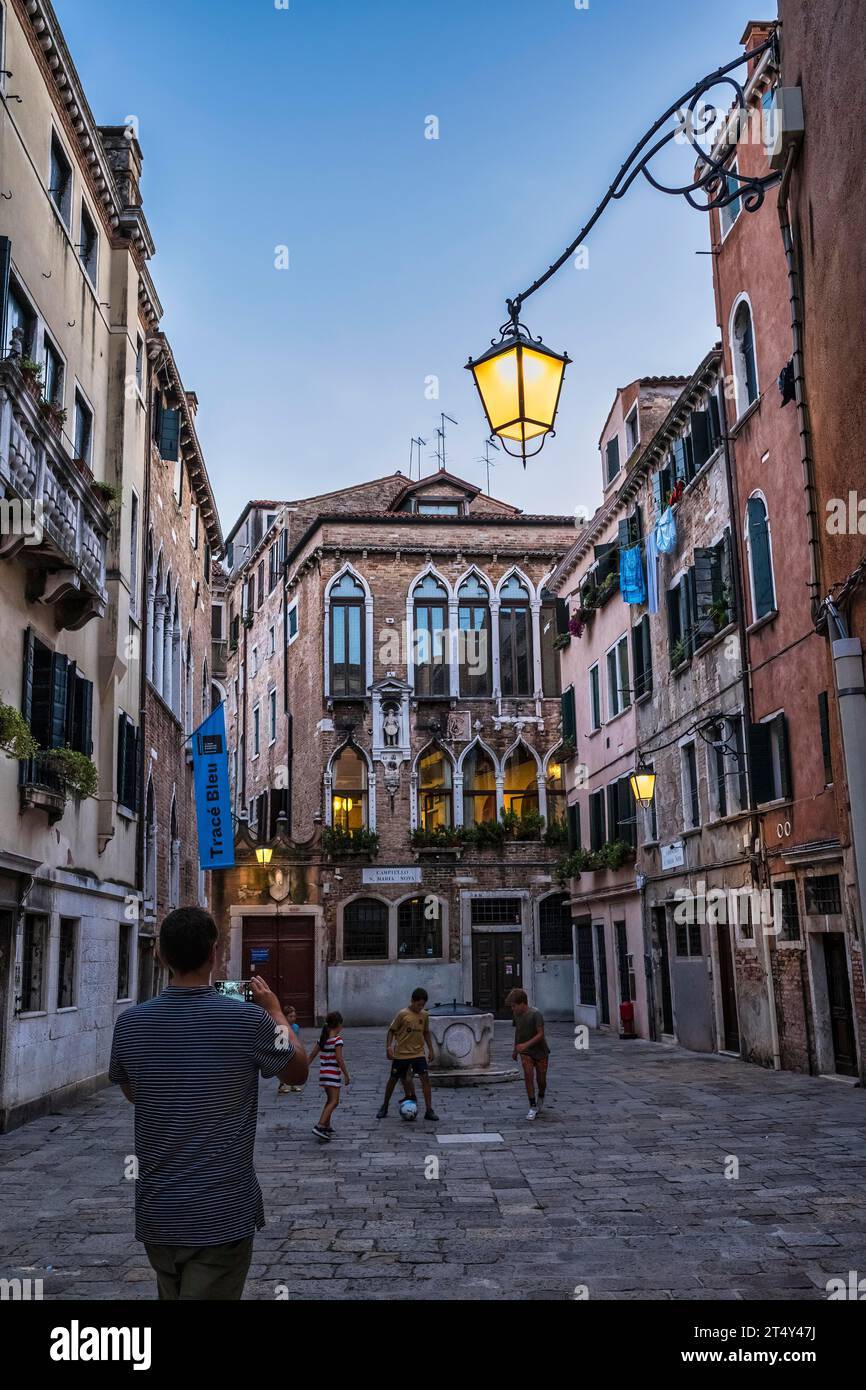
<point>408,1110</point>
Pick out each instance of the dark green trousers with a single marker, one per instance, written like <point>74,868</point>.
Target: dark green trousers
<point>209,1272</point>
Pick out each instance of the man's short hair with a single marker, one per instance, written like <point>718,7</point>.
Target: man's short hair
<point>517,996</point>
<point>419,994</point>
<point>186,939</point>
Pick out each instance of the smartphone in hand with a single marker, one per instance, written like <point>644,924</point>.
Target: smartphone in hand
<point>241,990</point>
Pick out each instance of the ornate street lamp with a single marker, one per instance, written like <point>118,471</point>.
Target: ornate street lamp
<point>519,381</point>
<point>643,785</point>
<point>264,854</point>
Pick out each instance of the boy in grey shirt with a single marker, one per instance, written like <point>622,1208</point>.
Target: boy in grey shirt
<point>530,1045</point>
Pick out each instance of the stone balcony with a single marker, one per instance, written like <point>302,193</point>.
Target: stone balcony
<point>51,519</point>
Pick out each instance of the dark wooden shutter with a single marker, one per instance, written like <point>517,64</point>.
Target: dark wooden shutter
<point>613,828</point>
<point>715,422</point>
<point>5,267</point>
<point>679,460</point>
<point>781,724</point>
<point>673,601</point>
<point>824,721</point>
<point>690,457</point>
<point>27,675</point>
<point>562,616</point>
<point>569,717</point>
<point>701,438</point>
<point>748,351</point>
<point>572,818</point>
<point>687,609</point>
<point>727,574</point>
<point>761,762</point>
<point>626,815</point>
<point>707,574</point>
<point>158,412</point>
<point>79,707</point>
<point>169,435</point>
<point>657,493</point>
<point>612,452</point>
<point>59,683</point>
<point>637,659</point>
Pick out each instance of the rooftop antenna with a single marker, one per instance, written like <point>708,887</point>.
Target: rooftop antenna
<point>440,434</point>
<point>487,461</point>
<point>412,443</point>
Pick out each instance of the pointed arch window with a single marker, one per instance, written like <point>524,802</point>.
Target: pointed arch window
<point>760,558</point>
<point>435,790</point>
<point>479,788</point>
<point>348,637</point>
<point>430,660</point>
<point>521,783</point>
<point>349,791</point>
<point>551,684</point>
<point>515,639</point>
<point>744,358</point>
<point>475,648</point>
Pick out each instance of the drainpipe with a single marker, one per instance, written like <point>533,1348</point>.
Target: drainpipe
<point>803,421</point>
<point>286,710</point>
<point>142,675</point>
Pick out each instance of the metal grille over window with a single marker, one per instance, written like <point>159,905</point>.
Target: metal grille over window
<point>555,926</point>
<point>365,930</point>
<point>419,929</point>
<point>823,896</point>
<point>488,912</point>
<point>789,910</point>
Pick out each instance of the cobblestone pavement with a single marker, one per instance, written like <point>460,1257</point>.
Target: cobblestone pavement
<point>619,1186</point>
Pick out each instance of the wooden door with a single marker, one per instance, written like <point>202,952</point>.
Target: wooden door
<point>727,989</point>
<point>496,969</point>
<point>601,949</point>
<point>839,998</point>
<point>661,926</point>
<point>282,951</point>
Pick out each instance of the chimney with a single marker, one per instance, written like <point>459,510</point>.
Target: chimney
<point>125,158</point>
<point>756,32</point>
<point>192,402</point>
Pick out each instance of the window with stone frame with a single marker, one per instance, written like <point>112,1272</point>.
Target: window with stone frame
<point>365,930</point>
<point>419,928</point>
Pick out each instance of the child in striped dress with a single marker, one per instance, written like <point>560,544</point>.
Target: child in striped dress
<point>332,1069</point>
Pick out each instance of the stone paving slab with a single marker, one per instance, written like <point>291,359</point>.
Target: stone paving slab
<point>619,1185</point>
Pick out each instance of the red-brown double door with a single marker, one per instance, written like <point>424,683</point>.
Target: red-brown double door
<point>282,951</point>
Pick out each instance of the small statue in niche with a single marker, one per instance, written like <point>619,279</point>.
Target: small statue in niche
<point>391,726</point>
<point>392,779</point>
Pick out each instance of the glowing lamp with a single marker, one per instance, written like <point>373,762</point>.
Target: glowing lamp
<point>264,855</point>
<point>643,785</point>
<point>519,381</point>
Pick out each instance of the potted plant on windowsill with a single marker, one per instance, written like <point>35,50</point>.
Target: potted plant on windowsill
<point>562,639</point>
<point>438,838</point>
<point>343,843</point>
<point>16,740</point>
<point>678,654</point>
<point>32,374</point>
<point>76,771</point>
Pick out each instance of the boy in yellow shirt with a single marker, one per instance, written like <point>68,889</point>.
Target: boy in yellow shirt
<point>408,1036</point>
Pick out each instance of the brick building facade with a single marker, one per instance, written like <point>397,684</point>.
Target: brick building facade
<point>393,689</point>
<point>797,770</point>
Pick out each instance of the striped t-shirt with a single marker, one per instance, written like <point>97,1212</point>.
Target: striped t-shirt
<point>192,1058</point>
<point>329,1065</point>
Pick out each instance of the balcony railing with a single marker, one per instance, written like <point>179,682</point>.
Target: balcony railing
<point>40,787</point>
<point>50,515</point>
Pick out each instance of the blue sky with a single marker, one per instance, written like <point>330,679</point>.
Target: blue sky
<point>305,127</point>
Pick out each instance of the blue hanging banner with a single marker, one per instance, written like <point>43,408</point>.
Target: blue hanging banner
<point>210,765</point>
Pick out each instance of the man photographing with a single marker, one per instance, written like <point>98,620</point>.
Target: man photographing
<point>189,1061</point>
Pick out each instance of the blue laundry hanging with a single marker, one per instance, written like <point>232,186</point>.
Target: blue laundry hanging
<point>631,577</point>
<point>666,532</point>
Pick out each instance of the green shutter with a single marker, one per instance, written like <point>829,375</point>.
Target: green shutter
<point>701,441</point>
<point>715,422</point>
<point>727,574</point>
<point>613,812</point>
<point>572,816</point>
<point>647,652</point>
<point>57,719</point>
<point>169,435</point>
<point>759,547</point>
<point>637,659</point>
<point>781,724</point>
<point>27,678</point>
<point>562,616</point>
<point>569,717</point>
